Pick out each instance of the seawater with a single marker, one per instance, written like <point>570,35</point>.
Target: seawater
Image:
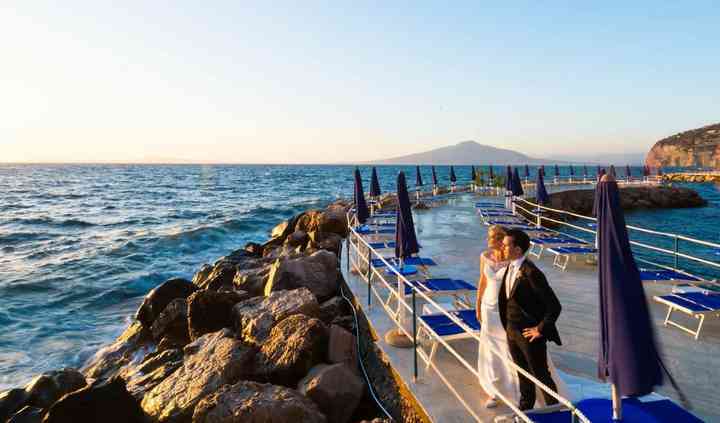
<point>80,245</point>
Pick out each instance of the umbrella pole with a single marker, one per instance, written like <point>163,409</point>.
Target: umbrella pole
<point>616,403</point>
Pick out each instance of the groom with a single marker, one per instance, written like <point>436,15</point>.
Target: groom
<point>528,310</point>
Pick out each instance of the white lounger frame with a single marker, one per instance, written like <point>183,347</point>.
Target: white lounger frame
<point>699,315</point>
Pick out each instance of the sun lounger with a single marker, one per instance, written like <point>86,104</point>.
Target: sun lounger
<point>564,254</point>
<point>372,230</point>
<point>483,204</point>
<point>666,275</point>
<point>539,244</point>
<point>415,261</point>
<point>458,289</point>
<point>436,326</point>
<point>382,244</point>
<point>695,304</point>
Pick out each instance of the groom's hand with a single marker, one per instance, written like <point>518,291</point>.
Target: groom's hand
<point>532,334</point>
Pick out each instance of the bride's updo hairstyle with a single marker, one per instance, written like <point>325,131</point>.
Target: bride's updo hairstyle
<point>497,231</point>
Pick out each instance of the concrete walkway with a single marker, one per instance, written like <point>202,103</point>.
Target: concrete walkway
<point>454,237</point>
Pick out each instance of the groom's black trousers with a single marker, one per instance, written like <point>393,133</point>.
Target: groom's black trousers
<point>532,357</point>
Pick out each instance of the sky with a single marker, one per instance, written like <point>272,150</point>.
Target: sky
<point>326,82</point>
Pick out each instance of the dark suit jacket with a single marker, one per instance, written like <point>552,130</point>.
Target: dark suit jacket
<point>532,303</point>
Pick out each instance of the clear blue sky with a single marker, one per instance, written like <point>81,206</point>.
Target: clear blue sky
<point>296,81</point>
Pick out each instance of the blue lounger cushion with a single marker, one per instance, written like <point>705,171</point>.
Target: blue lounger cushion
<point>379,245</point>
<point>440,284</point>
<point>665,275</point>
<point>443,326</point>
<point>711,301</point>
<point>365,229</point>
<point>496,213</point>
<point>681,302</point>
<point>634,411</point>
<point>415,261</point>
<point>573,250</point>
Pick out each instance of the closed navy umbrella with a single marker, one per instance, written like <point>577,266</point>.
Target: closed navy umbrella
<point>472,173</point>
<point>508,179</point>
<point>541,195</point>
<point>527,171</point>
<point>557,171</point>
<point>517,189</point>
<point>418,177</point>
<point>361,208</point>
<point>434,176</point>
<point>599,169</point>
<point>452,175</point>
<point>628,355</point>
<point>572,171</point>
<point>646,170</point>
<point>628,171</point>
<point>611,172</point>
<point>490,174</point>
<point>374,184</point>
<point>585,171</point>
<point>405,240</point>
<point>542,170</point>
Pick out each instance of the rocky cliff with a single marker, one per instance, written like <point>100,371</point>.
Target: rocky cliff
<point>697,147</point>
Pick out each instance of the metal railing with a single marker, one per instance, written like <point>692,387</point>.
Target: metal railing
<point>359,259</point>
<point>674,253</point>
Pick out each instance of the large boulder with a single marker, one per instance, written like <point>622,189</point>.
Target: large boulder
<point>297,239</point>
<point>308,221</point>
<point>326,241</point>
<point>153,370</point>
<point>333,308</point>
<point>210,311</point>
<point>221,275</point>
<point>335,389</point>
<point>172,323</point>
<point>211,361</point>
<point>47,388</point>
<point>251,280</point>
<point>106,401</point>
<point>11,401</point>
<point>156,301</point>
<point>202,275</point>
<point>250,402</point>
<point>254,249</point>
<point>342,347</point>
<point>118,357</point>
<point>294,346</point>
<point>333,221</point>
<point>317,272</point>
<point>255,317</point>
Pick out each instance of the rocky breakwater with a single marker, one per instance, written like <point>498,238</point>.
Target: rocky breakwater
<point>631,198</point>
<point>696,177</point>
<point>697,147</point>
<point>259,336</point>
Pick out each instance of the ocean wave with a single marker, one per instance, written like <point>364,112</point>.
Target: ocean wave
<point>15,238</point>
<point>47,221</point>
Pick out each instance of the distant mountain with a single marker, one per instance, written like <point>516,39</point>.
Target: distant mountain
<point>465,153</point>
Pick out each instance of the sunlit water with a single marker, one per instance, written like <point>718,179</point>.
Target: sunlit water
<point>81,245</point>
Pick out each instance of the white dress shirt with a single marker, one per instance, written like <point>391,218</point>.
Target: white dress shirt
<point>514,270</point>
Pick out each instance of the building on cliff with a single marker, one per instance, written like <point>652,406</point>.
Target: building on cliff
<point>695,148</point>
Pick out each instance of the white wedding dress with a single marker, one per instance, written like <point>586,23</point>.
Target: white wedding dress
<point>494,374</point>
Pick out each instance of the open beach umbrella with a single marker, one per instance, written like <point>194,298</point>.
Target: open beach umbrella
<point>452,175</point>
<point>374,184</point>
<point>541,195</point>
<point>434,176</point>
<point>361,208</point>
<point>527,171</point>
<point>472,173</point>
<point>405,240</point>
<point>516,187</point>
<point>628,356</point>
<point>418,177</point>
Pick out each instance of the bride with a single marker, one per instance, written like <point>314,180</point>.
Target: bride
<point>495,374</point>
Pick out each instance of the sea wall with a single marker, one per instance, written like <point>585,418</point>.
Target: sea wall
<point>262,334</point>
<point>697,177</point>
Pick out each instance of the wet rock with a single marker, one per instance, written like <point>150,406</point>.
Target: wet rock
<point>342,347</point>
<point>326,241</point>
<point>318,273</point>
<point>250,402</point>
<point>335,389</point>
<point>333,221</point>
<point>28,414</point>
<point>255,317</point>
<point>172,323</point>
<point>11,401</point>
<point>47,388</point>
<point>127,349</point>
<point>210,311</point>
<point>211,361</point>
<point>295,345</point>
<point>332,308</point>
<point>156,301</point>
<point>156,367</point>
<point>252,280</point>
<point>106,401</point>
<point>201,276</point>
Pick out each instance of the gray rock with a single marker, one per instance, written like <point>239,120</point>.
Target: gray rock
<point>252,280</point>
<point>221,275</point>
<point>156,301</point>
<point>326,241</point>
<point>172,323</point>
<point>156,367</point>
<point>335,221</point>
<point>335,389</point>
<point>106,401</point>
<point>210,311</point>
<point>250,402</point>
<point>118,358</point>
<point>295,345</point>
<point>211,361</point>
<point>332,308</point>
<point>255,317</point>
<point>47,388</point>
<point>318,273</point>
<point>202,275</point>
